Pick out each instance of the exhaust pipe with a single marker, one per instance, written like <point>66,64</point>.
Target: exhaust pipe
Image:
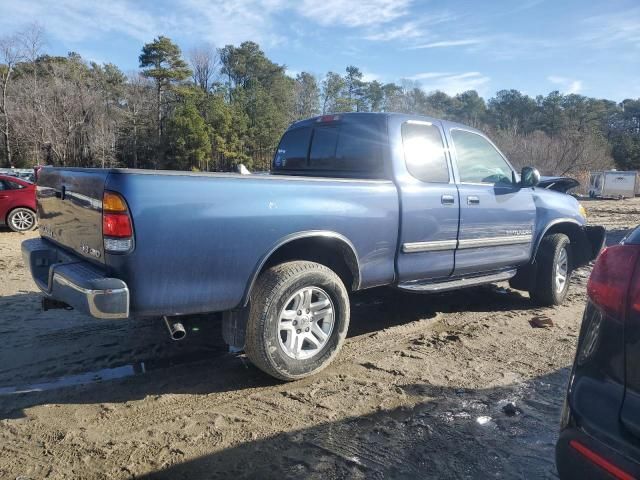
<point>176,329</point>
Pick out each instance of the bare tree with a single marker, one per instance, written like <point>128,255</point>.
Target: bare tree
<point>10,54</point>
<point>138,110</point>
<point>32,39</point>
<point>204,62</point>
<point>566,153</point>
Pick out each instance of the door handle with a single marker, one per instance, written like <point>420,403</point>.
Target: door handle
<point>473,200</point>
<point>447,200</point>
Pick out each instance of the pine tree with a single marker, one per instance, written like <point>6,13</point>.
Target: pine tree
<point>162,61</point>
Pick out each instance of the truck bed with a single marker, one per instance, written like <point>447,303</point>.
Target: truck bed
<point>200,237</point>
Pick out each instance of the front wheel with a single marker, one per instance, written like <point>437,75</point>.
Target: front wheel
<point>554,270</point>
<point>298,319</point>
<point>21,220</point>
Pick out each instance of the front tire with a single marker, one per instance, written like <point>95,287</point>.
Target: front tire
<point>554,270</point>
<point>298,319</point>
<point>21,220</point>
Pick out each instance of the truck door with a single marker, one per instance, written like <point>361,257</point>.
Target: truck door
<point>429,202</point>
<point>496,215</point>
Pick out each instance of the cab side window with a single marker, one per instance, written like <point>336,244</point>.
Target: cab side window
<point>478,160</point>
<point>424,152</point>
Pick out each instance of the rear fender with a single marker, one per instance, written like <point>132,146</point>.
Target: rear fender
<point>349,253</point>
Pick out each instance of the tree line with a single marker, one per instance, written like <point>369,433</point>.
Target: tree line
<point>211,109</point>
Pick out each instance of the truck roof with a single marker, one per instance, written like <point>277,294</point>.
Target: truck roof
<point>400,116</point>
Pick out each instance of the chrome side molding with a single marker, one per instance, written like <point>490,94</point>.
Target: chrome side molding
<point>442,245</point>
<point>494,241</point>
<point>429,246</point>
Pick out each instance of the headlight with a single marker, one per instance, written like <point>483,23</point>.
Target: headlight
<point>582,210</point>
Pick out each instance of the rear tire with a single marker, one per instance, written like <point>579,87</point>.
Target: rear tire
<point>554,261</point>
<point>298,319</point>
<point>21,219</point>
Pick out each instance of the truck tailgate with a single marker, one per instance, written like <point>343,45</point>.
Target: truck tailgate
<point>70,209</point>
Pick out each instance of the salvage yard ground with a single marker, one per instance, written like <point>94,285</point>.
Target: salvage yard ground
<point>460,385</point>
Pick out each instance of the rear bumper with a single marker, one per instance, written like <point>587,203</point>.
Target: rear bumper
<point>572,464</point>
<point>76,282</point>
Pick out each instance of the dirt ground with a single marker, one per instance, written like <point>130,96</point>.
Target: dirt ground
<point>419,390</point>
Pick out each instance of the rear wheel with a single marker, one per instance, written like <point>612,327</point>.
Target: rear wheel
<point>298,319</point>
<point>21,220</point>
<point>554,270</point>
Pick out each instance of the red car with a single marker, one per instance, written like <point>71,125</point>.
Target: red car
<point>17,203</point>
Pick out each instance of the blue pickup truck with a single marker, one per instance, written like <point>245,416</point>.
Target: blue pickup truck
<point>353,201</point>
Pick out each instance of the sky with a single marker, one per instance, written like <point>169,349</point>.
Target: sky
<point>536,46</point>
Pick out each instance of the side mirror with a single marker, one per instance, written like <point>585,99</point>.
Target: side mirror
<point>530,177</point>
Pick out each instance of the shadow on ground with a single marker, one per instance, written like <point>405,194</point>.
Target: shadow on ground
<point>449,433</point>
<point>49,355</point>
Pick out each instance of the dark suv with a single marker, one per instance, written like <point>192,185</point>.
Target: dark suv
<point>600,433</point>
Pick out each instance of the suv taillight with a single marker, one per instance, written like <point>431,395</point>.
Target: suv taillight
<point>117,230</point>
<point>610,280</point>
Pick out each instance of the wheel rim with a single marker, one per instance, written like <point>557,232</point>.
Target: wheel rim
<point>22,220</point>
<point>562,270</point>
<point>306,323</point>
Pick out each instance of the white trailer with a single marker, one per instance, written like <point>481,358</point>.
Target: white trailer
<point>612,184</point>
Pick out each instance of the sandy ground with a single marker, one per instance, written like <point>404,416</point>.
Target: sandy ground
<point>418,390</point>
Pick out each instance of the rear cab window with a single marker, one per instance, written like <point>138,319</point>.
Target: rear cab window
<point>348,147</point>
<point>424,152</point>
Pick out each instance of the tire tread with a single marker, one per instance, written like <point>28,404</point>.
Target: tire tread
<point>262,297</point>
<point>543,292</point>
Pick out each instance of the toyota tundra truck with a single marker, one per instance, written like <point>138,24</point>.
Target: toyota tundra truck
<point>352,201</point>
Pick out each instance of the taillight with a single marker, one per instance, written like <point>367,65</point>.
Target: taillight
<point>610,279</point>
<point>116,223</point>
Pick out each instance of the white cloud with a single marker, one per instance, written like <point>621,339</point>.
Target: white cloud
<point>449,43</point>
<point>427,75</point>
<point>216,21</point>
<point>353,13</point>
<point>452,83</point>
<point>76,20</point>
<point>567,85</point>
<point>222,22</point>
<point>407,30</point>
<point>614,29</point>
<point>370,77</point>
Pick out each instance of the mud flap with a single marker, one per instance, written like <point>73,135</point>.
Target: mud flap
<point>525,279</point>
<point>234,327</point>
<point>596,236</point>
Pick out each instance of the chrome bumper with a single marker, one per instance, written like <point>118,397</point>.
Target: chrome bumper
<point>77,283</point>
